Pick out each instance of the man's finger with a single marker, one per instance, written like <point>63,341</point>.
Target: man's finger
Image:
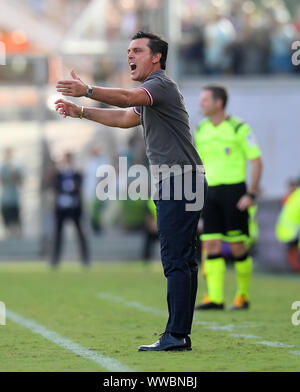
<point>240,205</point>
<point>61,90</point>
<point>243,206</point>
<point>73,74</point>
<point>64,83</point>
<point>64,87</point>
<point>60,100</point>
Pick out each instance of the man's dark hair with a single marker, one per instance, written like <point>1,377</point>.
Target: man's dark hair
<point>218,92</point>
<point>156,45</point>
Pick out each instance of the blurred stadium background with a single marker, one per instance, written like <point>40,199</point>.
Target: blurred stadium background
<point>245,45</point>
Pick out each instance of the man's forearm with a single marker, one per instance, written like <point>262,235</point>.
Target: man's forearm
<point>112,96</point>
<point>109,117</point>
<point>255,175</point>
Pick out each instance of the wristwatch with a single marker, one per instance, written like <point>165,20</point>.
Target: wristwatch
<point>252,195</point>
<point>89,91</point>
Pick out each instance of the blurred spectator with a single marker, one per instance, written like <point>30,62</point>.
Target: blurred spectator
<point>255,45</point>
<point>94,205</point>
<point>287,228</point>
<point>48,172</point>
<point>151,234</point>
<point>282,33</point>
<point>292,185</point>
<point>68,206</point>
<point>191,48</point>
<point>219,33</point>
<point>11,180</point>
<point>296,22</point>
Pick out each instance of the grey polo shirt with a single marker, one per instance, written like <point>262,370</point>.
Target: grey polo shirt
<point>166,126</point>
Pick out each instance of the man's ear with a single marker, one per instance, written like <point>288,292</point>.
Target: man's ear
<point>156,58</point>
<point>220,104</point>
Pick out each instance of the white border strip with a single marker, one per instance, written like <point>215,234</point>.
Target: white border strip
<point>244,336</point>
<point>276,344</point>
<point>295,352</point>
<point>135,305</point>
<point>107,363</point>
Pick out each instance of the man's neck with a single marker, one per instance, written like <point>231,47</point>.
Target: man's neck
<point>152,71</point>
<point>218,118</point>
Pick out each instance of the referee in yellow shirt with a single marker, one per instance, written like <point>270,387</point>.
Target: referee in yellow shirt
<point>226,144</point>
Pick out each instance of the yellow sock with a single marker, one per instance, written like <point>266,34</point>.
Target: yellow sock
<point>215,273</point>
<point>244,272</point>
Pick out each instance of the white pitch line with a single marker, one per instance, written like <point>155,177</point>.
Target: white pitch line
<point>207,325</point>
<point>229,327</point>
<point>248,325</point>
<point>136,305</point>
<point>244,336</point>
<point>295,352</point>
<point>107,363</point>
<point>276,344</point>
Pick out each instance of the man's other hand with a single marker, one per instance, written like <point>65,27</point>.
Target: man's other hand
<point>245,202</point>
<point>72,88</point>
<point>67,108</point>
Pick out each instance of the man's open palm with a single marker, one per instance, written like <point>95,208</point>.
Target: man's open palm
<point>72,88</point>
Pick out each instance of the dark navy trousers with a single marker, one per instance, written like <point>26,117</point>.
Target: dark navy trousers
<point>177,230</point>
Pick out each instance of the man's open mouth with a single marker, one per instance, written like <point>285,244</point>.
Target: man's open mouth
<point>132,67</point>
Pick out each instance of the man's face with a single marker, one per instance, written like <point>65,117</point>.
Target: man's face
<point>68,159</point>
<point>140,59</point>
<point>208,104</point>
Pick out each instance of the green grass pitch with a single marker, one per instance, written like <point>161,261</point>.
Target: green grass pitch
<point>67,302</point>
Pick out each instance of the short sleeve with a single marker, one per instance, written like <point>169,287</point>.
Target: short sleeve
<point>248,142</point>
<point>137,110</point>
<point>154,89</point>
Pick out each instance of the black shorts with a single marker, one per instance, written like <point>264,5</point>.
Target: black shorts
<point>10,215</point>
<point>222,219</point>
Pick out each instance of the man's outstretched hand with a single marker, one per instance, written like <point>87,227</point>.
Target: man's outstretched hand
<point>67,108</point>
<point>72,88</point>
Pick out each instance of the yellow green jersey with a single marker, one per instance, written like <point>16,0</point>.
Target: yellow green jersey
<point>225,150</point>
<point>288,223</point>
<point>151,207</point>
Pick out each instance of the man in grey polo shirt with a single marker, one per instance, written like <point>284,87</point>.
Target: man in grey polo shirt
<point>158,106</point>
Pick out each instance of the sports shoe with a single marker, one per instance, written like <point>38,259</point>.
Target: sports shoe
<point>208,304</point>
<point>188,343</point>
<point>206,299</point>
<point>167,342</point>
<point>240,302</point>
